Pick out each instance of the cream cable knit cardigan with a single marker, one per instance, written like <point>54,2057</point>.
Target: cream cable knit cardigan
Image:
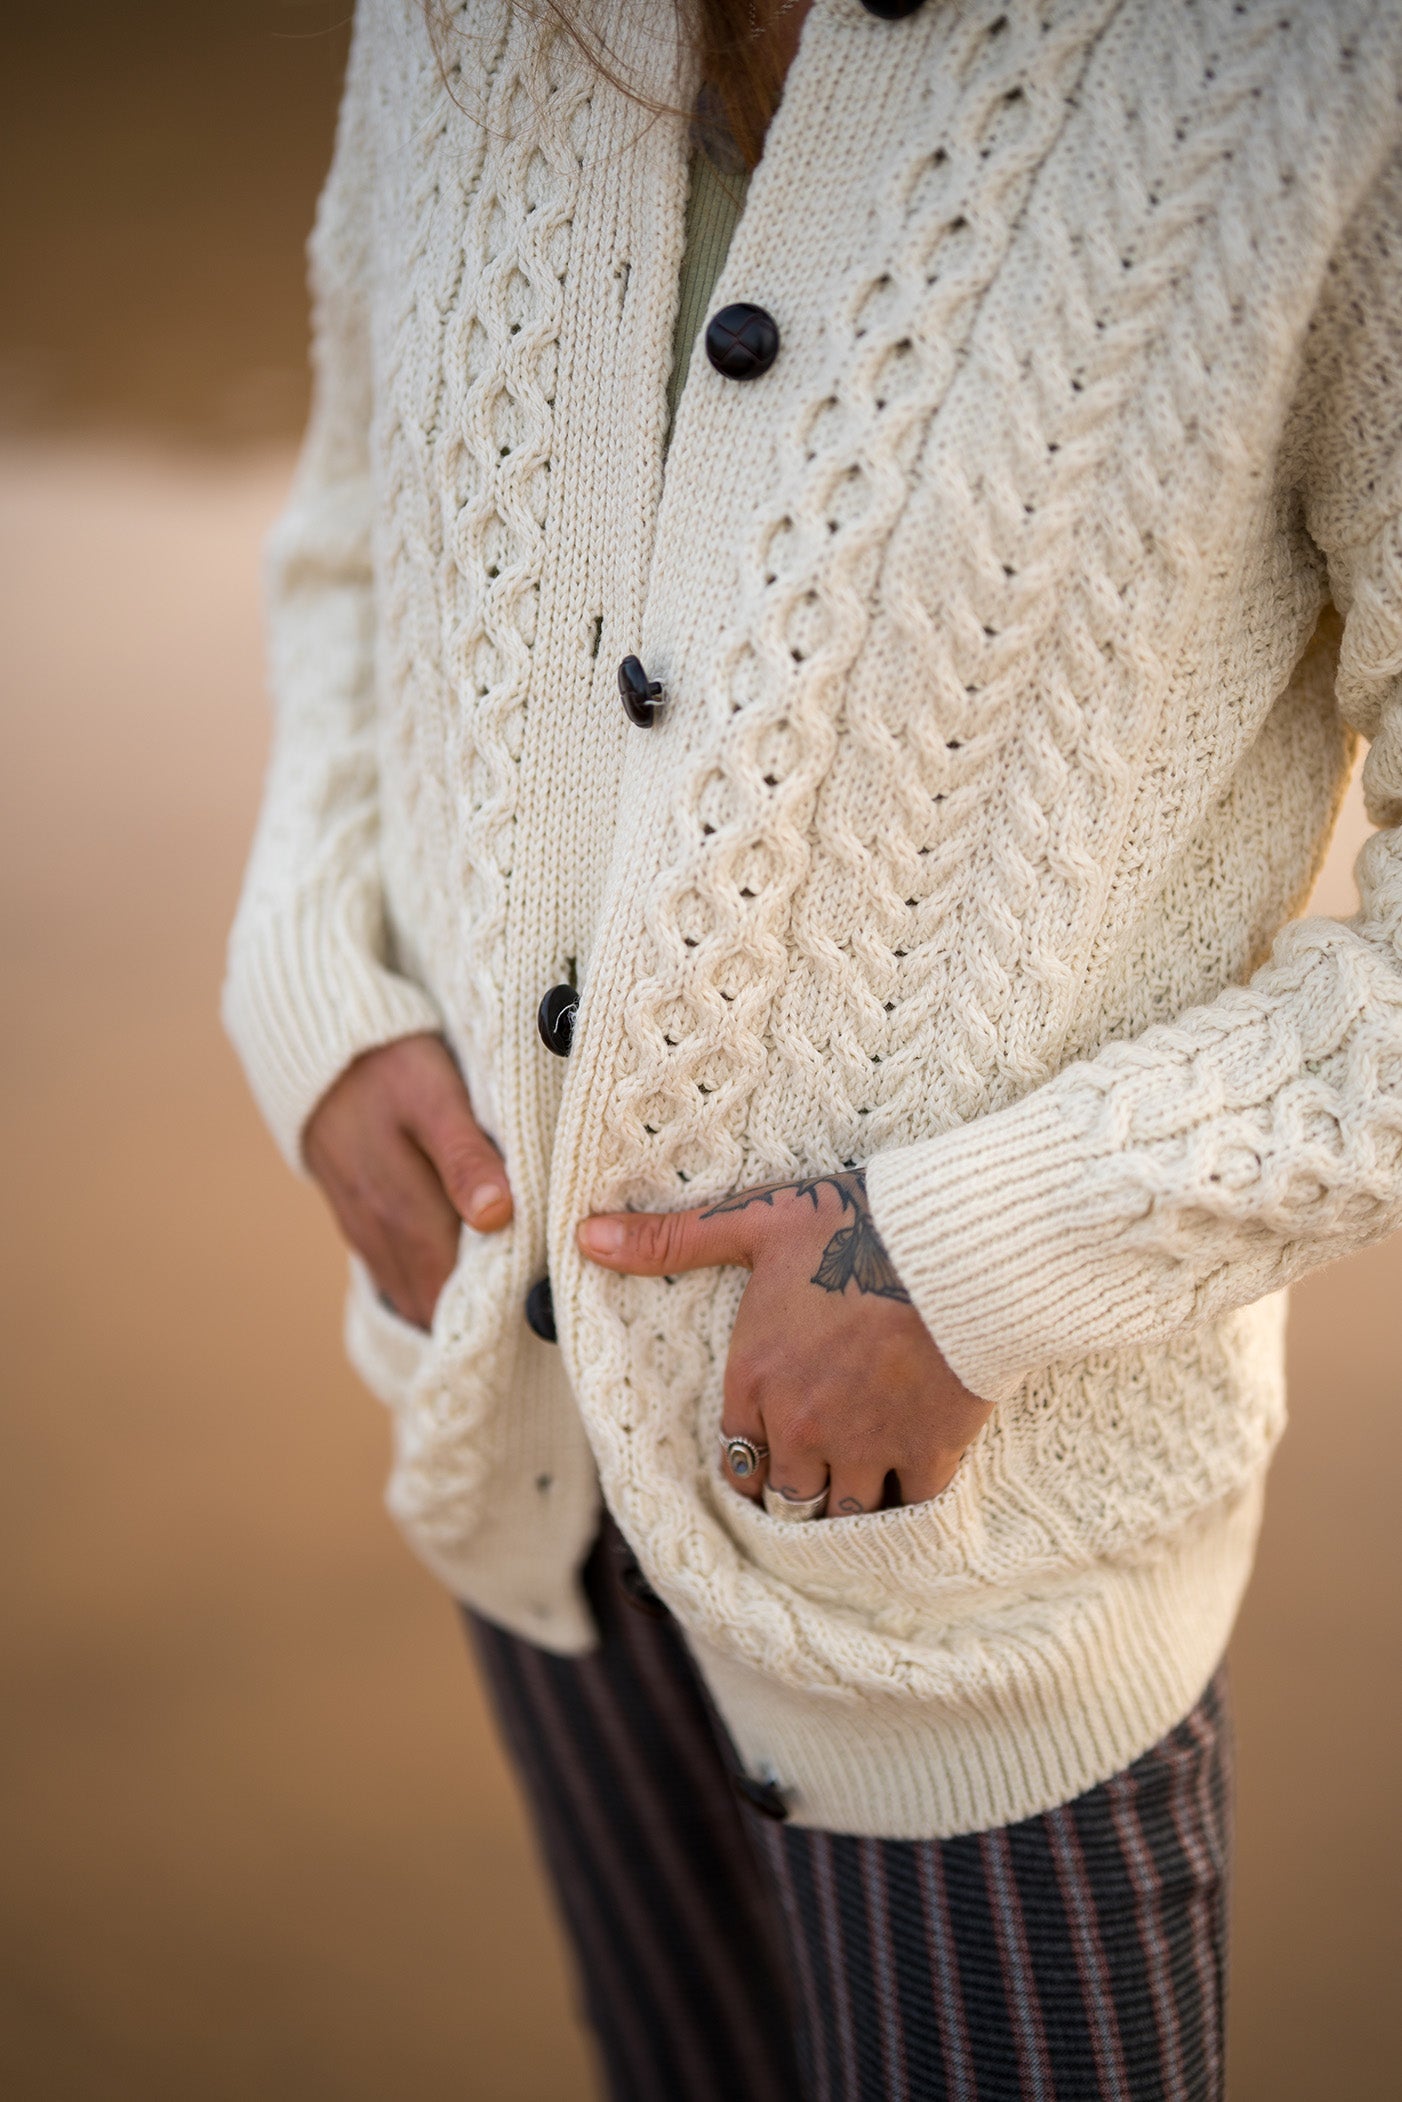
<point>1006,720</point>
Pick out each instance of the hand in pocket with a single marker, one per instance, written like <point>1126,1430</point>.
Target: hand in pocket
<point>403,1163</point>
<point>830,1366</point>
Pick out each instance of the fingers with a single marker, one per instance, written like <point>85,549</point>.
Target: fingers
<point>402,1162</point>
<point>796,1481</point>
<point>800,1472</point>
<point>806,1448</point>
<point>397,1217</point>
<point>439,1117</point>
<point>855,1488</point>
<point>742,1417</point>
<point>797,1467</point>
<point>930,1477</point>
<point>664,1244</point>
<point>741,1476</point>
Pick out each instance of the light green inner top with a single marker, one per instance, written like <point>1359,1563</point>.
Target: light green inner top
<point>714,203</point>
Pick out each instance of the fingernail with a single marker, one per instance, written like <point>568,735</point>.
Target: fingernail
<point>602,1236</point>
<point>485,1198</point>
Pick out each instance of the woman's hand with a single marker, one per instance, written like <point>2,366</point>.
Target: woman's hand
<point>830,1365</point>
<point>402,1162</point>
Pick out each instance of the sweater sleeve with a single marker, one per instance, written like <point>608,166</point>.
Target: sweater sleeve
<point>1191,1171</point>
<point>308,988</point>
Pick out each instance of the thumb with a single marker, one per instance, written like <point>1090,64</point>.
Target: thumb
<point>663,1244</point>
<point>469,1166</point>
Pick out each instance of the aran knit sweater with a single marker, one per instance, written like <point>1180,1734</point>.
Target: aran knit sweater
<point>1015,630</point>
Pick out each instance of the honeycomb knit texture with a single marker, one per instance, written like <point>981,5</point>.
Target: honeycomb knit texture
<point>1016,629</point>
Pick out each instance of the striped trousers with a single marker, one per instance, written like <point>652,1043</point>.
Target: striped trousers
<point>728,1957</point>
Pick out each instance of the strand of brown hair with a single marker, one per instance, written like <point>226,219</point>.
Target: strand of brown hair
<point>736,55</point>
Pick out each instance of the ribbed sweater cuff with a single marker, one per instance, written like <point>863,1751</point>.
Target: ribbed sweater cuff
<point>301,1002</point>
<point>1009,1248</point>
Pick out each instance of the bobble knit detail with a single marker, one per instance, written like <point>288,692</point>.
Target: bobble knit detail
<point>1007,716</point>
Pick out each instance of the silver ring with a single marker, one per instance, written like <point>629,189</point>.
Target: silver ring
<point>742,1455</point>
<point>794,1510</point>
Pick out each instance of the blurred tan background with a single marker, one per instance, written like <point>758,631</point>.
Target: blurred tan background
<point>257,1840</point>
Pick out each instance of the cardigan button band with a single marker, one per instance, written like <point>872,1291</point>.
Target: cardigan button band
<point>892,10</point>
<point>640,695</point>
<point>555,1019</point>
<point>540,1311</point>
<point>742,341</point>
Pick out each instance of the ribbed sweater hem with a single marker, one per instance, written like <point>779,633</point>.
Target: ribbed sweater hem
<point>1087,1684</point>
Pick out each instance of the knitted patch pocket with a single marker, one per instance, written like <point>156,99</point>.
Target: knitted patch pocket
<point>387,1351</point>
<point>892,1568</point>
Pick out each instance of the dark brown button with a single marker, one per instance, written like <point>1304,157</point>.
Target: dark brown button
<point>892,10</point>
<point>540,1311</point>
<point>635,1586</point>
<point>555,1019</point>
<point>742,341</point>
<point>640,695</point>
<point>765,1796</point>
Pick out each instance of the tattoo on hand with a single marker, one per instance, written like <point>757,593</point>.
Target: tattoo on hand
<point>851,1504</point>
<point>856,1254</point>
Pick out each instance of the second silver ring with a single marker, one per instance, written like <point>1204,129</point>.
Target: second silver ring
<point>793,1510</point>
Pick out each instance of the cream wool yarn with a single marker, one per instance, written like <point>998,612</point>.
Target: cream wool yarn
<point>1006,720</point>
